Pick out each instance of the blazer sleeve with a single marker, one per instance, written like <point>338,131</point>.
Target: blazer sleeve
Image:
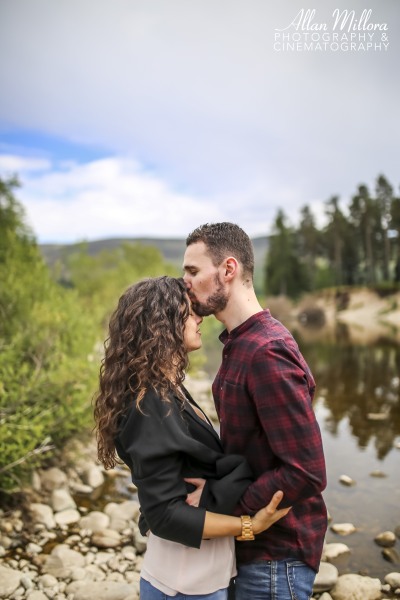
<point>233,476</point>
<point>155,441</point>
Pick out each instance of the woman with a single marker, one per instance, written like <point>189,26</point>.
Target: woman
<point>145,415</point>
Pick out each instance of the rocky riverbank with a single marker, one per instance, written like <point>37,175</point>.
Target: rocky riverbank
<point>67,542</point>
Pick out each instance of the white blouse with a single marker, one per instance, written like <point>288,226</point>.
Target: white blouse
<point>171,567</point>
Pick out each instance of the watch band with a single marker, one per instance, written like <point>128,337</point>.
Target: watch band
<point>247,529</point>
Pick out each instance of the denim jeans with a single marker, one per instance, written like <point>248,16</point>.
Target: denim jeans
<point>274,580</point>
<point>149,592</point>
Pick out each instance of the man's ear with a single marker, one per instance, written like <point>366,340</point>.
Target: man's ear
<point>231,268</point>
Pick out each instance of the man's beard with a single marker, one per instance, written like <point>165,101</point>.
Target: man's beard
<point>214,303</point>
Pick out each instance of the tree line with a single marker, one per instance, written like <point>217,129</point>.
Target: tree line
<point>358,245</point>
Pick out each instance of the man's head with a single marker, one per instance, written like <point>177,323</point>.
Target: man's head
<point>217,254</point>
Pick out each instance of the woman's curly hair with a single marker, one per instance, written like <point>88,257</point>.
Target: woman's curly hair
<point>145,349</point>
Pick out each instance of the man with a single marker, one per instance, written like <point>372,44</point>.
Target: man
<point>263,394</point>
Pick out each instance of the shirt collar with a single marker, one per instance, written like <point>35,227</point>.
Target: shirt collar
<point>226,337</point>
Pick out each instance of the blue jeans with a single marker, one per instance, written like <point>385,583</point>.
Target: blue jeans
<point>149,592</point>
<point>274,580</point>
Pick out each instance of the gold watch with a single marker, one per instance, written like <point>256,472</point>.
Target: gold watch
<point>247,529</point>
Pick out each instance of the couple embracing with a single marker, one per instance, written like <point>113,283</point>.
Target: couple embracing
<point>236,515</point>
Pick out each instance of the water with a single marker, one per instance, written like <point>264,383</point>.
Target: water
<point>353,381</point>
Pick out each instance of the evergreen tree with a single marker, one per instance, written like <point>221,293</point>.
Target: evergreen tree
<point>285,273</point>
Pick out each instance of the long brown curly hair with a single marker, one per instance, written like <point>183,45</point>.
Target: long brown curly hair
<point>144,349</point>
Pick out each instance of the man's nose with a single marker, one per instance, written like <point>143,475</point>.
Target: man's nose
<point>187,281</point>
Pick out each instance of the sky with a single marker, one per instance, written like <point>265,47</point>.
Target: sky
<point>146,118</point>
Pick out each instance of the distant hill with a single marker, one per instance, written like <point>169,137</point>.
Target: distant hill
<point>171,249</point>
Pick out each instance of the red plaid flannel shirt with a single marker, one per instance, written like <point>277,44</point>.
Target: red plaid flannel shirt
<point>263,394</point>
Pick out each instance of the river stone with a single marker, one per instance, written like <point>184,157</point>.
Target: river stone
<point>139,540</point>
<point>377,473</point>
<point>42,513</point>
<point>61,499</point>
<point>48,581</point>
<point>53,479</point>
<point>325,596</point>
<point>393,579</point>
<point>128,510</point>
<point>346,480</point>
<point>387,539</point>
<point>356,587</point>
<point>108,538</point>
<point>10,581</point>
<point>105,590</point>
<point>391,555</point>
<point>67,517</point>
<point>343,528</point>
<point>326,577</point>
<point>93,476</point>
<point>61,560</point>
<point>332,551</point>
<point>37,595</point>
<point>95,521</point>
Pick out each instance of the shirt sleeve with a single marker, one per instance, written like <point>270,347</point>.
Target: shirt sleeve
<point>280,389</point>
<point>155,441</point>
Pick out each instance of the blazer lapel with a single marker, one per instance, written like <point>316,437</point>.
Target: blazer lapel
<point>192,414</point>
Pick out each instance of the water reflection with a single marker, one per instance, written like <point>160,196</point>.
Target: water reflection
<point>360,383</point>
<point>357,406</point>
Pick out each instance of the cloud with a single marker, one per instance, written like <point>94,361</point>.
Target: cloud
<point>109,198</point>
<point>20,164</point>
<point>194,98</point>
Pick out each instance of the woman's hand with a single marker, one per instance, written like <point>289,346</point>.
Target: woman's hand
<point>193,499</point>
<point>268,515</point>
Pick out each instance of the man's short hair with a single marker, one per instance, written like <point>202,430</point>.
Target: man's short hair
<point>223,240</point>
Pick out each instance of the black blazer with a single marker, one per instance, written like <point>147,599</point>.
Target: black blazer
<point>165,443</point>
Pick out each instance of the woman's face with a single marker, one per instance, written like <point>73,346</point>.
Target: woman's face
<point>191,332</point>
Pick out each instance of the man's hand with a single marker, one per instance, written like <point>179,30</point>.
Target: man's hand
<point>193,499</point>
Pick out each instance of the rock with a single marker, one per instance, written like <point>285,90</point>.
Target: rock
<point>41,513</point>
<point>393,579</point>
<point>391,555</point>
<point>32,548</point>
<point>378,416</point>
<point>331,551</point>
<point>10,581</point>
<point>107,590</point>
<point>377,473</point>
<point>95,521</point>
<point>387,539</point>
<point>26,582</point>
<point>78,574</point>
<point>140,541</point>
<point>356,587</point>
<point>67,517</point>
<point>346,480</point>
<point>37,595</point>
<point>61,499</point>
<point>108,538</point>
<point>80,488</point>
<point>325,596</point>
<point>343,528</point>
<point>326,577</point>
<point>61,560</point>
<point>53,478</point>
<point>48,581</point>
<point>93,476</point>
